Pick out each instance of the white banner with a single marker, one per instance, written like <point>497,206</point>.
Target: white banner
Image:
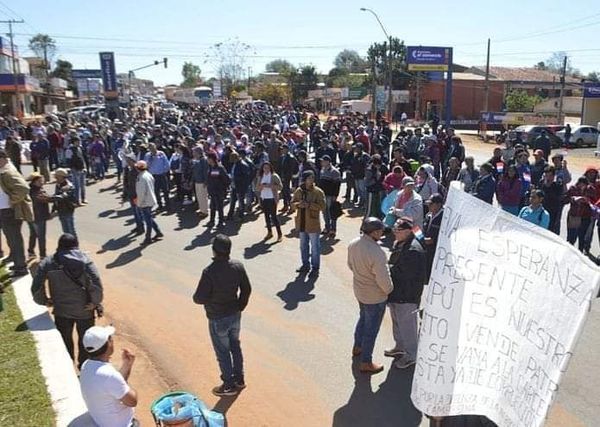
<point>504,307</point>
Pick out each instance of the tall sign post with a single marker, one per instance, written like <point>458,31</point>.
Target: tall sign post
<point>109,83</point>
<point>433,58</point>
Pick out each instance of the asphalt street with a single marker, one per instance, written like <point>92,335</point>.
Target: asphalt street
<point>296,332</point>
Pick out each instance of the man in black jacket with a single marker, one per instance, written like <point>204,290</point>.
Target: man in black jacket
<point>76,162</point>
<point>242,174</point>
<point>224,290</point>
<point>407,268</point>
<point>432,224</point>
<point>75,292</point>
<point>288,168</point>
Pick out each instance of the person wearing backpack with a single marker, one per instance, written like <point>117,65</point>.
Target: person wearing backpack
<point>75,292</point>
<point>65,201</point>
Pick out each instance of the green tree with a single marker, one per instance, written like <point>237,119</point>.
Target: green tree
<point>350,61</point>
<point>191,74</point>
<point>44,47</point>
<point>280,66</point>
<point>520,100</point>
<point>62,70</point>
<point>594,76</point>
<point>378,57</point>
<point>301,81</point>
<point>338,77</point>
<point>272,93</point>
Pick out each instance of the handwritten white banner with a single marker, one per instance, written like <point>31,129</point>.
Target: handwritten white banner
<point>503,310</point>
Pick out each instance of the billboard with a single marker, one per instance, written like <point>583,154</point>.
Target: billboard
<point>86,74</point>
<point>109,75</point>
<point>591,90</point>
<point>509,118</point>
<point>420,58</point>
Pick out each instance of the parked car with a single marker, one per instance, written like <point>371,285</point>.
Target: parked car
<point>581,136</point>
<point>528,133</point>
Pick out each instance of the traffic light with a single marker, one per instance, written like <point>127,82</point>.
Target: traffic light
<point>165,62</point>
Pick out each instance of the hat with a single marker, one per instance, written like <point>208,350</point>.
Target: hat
<point>33,176</point>
<point>141,165</point>
<point>435,198</point>
<point>326,157</point>
<point>371,224</point>
<point>130,156</point>
<point>407,180</point>
<point>96,337</point>
<point>307,174</point>
<point>61,172</point>
<point>404,223</point>
<point>538,152</point>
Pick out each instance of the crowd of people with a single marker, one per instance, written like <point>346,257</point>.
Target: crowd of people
<point>225,161</point>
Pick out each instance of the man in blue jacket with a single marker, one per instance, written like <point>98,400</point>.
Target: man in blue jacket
<point>485,187</point>
<point>241,178</point>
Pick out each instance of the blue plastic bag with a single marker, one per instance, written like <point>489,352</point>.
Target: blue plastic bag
<point>386,205</point>
<point>189,408</point>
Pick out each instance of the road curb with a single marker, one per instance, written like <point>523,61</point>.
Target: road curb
<point>55,363</point>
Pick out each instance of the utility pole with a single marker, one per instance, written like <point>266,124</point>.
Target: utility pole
<point>562,90</point>
<point>418,97</point>
<point>486,101</point>
<point>389,79</point>
<point>249,75</point>
<point>14,62</point>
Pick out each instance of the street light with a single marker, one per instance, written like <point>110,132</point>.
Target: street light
<point>389,77</point>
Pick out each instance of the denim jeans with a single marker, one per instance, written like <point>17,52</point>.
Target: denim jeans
<point>11,227</point>
<point>310,250</point>
<point>225,337</point>
<point>330,223</point>
<point>367,328</point>
<point>237,196</point>
<point>37,231</point>
<point>361,190</point>
<point>98,168</point>
<point>67,222</point>
<point>161,185</point>
<point>137,214</point>
<point>149,221</point>
<point>78,178</point>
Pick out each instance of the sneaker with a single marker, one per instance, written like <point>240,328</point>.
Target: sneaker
<point>303,269</point>
<point>394,352</point>
<point>159,235</point>
<point>138,231</point>
<point>240,385</point>
<point>147,242</point>
<point>404,362</point>
<point>314,272</point>
<point>225,390</point>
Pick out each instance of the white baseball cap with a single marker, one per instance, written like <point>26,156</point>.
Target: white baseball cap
<point>96,337</point>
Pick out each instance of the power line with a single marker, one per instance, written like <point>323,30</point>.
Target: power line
<point>18,16</point>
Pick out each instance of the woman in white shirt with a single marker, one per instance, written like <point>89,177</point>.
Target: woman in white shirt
<point>269,188</point>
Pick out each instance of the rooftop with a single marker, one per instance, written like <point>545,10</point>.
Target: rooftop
<point>522,74</point>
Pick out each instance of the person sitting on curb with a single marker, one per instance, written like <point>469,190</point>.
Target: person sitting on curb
<point>109,398</point>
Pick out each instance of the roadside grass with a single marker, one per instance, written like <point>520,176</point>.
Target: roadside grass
<point>24,399</point>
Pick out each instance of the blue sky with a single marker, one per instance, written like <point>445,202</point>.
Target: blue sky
<point>307,31</point>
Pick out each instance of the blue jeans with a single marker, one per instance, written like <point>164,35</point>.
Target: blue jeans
<point>360,190</point>
<point>137,214</point>
<point>67,222</point>
<point>149,221</point>
<point>310,250</point>
<point>99,168</point>
<point>78,178</point>
<point>225,337</point>
<point>161,185</point>
<point>367,328</point>
<point>330,223</point>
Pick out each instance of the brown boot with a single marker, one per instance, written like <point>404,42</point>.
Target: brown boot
<point>268,236</point>
<point>279,236</point>
<point>370,368</point>
<point>356,351</point>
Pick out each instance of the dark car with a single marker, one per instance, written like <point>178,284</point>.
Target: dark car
<point>529,133</point>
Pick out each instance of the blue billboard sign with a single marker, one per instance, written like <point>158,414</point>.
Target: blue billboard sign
<point>109,75</point>
<point>591,90</point>
<point>424,58</point>
<point>86,74</point>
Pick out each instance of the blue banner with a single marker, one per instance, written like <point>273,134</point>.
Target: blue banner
<point>591,90</point>
<point>109,75</point>
<point>423,58</point>
<point>86,74</point>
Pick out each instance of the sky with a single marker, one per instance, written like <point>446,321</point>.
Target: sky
<point>522,32</point>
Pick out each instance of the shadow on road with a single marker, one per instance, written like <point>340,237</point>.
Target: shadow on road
<point>187,218</point>
<point>298,291</point>
<point>116,244</point>
<point>327,245</point>
<point>201,240</point>
<point>224,403</point>
<point>125,258</point>
<point>257,249</point>
<point>390,405</point>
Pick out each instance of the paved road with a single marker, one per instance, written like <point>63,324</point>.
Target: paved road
<point>297,333</point>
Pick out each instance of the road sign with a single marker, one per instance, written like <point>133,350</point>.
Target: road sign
<point>421,58</point>
<point>109,75</point>
<point>591,90</point>
<point>86,74</point>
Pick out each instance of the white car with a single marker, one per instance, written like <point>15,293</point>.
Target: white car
<point>581,136</point>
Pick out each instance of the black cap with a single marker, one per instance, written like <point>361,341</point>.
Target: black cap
<point>372,224</point>
<point>435,198</point>
<point>307,174</point>
<point>221,244</point>
<point>404,223</point>
<point>326,157</point>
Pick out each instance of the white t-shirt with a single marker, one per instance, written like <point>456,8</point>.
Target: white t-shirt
<point>103,387</point>
<point>266,193</point>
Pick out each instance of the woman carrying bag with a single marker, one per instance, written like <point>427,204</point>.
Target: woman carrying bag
<point>269,186</point>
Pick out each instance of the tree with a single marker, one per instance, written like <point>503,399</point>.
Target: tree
<point>62,70</point>
<point>338,77</point>
<point>229,60</point>
<point>520,100</point>
<point>555,64</point>
<point>280,66</point>
<point>272,93</point>
<point>301,81</point>
<point>594,76</point>
<point>351,61</point>
<point>540,66</point>
<point>191,74</point>
<point>378,59</point>
<point>44,47</point>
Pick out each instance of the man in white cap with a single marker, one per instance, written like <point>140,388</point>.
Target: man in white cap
<point>109,399</point>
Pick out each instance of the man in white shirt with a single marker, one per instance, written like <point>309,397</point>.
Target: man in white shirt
<point>110,400</point>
